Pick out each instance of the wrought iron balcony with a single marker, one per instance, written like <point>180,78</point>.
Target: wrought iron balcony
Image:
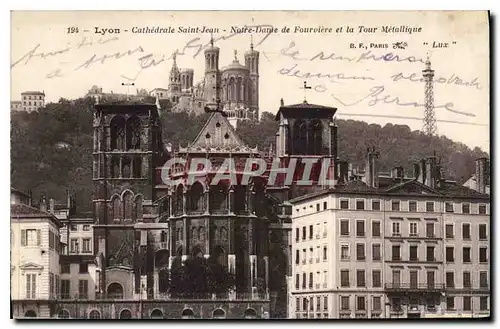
<point>414,287</point>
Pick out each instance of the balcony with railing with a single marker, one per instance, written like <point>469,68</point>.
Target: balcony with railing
<point>414,287</point>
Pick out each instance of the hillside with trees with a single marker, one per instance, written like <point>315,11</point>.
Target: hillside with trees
<point>51,149</point>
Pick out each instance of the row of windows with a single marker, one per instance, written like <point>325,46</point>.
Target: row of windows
<point>314,232</point>
<point>311,280</point>
<point>360,251</point>
<point>345,281</point>
<point>83,268</point>
<point>360,228</point>
<point>75,246</point>
<point>466,279</point>
<point>430,255</point>
<point>318,207</point>
<point>312,255</point>
<point>308,304</point>
<point>361,303</point>
<point>54,242</point>
<point>466,231</point>
<point>76,227</point>
<point>396,303</point>
<point>31,237</point>
<point>25,103</point>
<point>466,254</point>
<point>83,289</point>
<point>30,97</point>
<point>412,206</point>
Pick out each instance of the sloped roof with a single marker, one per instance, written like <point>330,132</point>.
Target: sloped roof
<point>310,109</point>
<point>20,211</point>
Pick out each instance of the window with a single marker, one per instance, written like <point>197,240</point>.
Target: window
<point>317,230</point>
<point>297,256</point>
<point>429,206</point>
<point>449,206</point>
<point>344,303</point>
<point>396,278</point>
<point>466,231</point>
<point>482,209</point>
<point>311,255</point>
<point>297,281</point>
<point>375,204</point>
<point>430,230</point>
<point>482,232</point>
<point>450,279</point>
<point>325,252</point>
<point>360,228</point>
<point>65,268</point>
<point>376,252</point>
<point>65,289</point>
<point>84,268</point>
<point>360,303</point>
<point>325,279</point>
<point>412,206</point>
<point>73,227</point>
<point>430,254</point>
<point>360,251</point>
<point>413,279</point>
<point>30,286</point>
<point>311,232</point>
<point>344,278</point>
<point>303,233</point>
<point>360,278</point>
<point>376,229</point>
<point>344,204</point>
<point>396,253</point>
<point>413,253</point>
<point>396,228</point>
<point>483,255</point>
<point>466,279</point>
<point>467,303</point>
<point>344,252</point>
<point>344,227</point>
<point>297,304</point>
<point>431,279</point>
<point>360,204</point>
<point>413,229</point>
<point>297,234</point>
<point>325,229</point>
<point>304,303</point>
<point>377,303</point>
<point>376,279</point>
<point>325,303</point>
<point>318,303</point>
<point>74,246</point>
<point>466,255</point>
<point>86,227</point>
<point>317,253</point>
<point>466,208</point>
<point>449,231</point>
<point>450,303</point>
<point>317,206</point>
<point>431,303</point>
<point>311,280</point>
<point>483,303</point>
<point>30,237</point>
<point>86,246</point>
<point>304,253</point>
<point>395,205</point>
<point>325,205</point>
<point>450,254</point>
<point>483,279</point>
<point>304,279</point>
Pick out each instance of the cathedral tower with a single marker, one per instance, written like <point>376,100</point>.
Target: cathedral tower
<point>174,86</point>
<point>212,74</point>
<point>252,63</point>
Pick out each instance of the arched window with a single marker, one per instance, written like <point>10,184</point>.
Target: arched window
<point>133,133</point>
<point>128,205</point>
<point>125,314</point>
<point>63,314</point>
<point>115,167</point>
<point>315,138</point>
<point>137,165</point>
<point>194,232</point>
<point>126,163</point>
<point>240,198</point>
<point>219,256</point>
<point>137,208</point>
<point>250,313</point>
<point>117,208</point>
<point>163,281</point>
<point>117,126</point>
<point>94,315</point>
<point>196,197</point>
<point>115,291</point>
<point>157,314</point>
<point>300,137</point>
<point>219,314</point>
<point>30,314</point>
<point>179,199</point>
<point>187,313</point>
<point>201,233</point>
<point>218,198</point>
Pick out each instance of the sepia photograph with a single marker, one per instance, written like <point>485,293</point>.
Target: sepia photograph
<point>313,165</point>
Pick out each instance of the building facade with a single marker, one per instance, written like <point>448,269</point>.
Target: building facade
<point>30,101</point>
<point>389,246</point>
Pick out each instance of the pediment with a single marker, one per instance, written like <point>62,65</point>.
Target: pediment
<point>412,187</point>
<point>217,134</point>
<point>30,266</point>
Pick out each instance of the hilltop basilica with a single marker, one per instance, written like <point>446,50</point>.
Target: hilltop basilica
<point>235,85</point>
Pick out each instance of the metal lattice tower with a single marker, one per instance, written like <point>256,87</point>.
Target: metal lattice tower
<point>429,126</point>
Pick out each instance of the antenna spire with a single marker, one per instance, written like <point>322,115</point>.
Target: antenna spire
<point>211,39</point>
<point>306,87</point>
<point>429,124</point>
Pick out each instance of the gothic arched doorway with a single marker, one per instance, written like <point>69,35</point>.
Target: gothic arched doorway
<point>115,291</point>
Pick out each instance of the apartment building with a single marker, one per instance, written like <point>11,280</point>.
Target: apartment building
<point>35,249</point>
<point>32,100</point>
<point>388,246</point>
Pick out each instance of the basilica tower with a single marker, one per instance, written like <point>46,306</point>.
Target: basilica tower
<point>252,63</point>
<point>212,74</point>
<point>174,86</point>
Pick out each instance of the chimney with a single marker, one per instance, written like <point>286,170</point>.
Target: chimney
<point>430,172</point>
<point>416,171</point>
<point>333,140</point>
<point>68,199</point>
<point>423,171</point>
<point>397,173</point>
<point>51,205</point>
<point>343,172</point>
<point>482,174</point>
<point>43,204</point>
<point>282,102</point>
<point>30,198</point>
<point>371,168</point>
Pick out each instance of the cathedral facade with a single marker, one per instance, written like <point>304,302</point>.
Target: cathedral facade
<point>236,86</point>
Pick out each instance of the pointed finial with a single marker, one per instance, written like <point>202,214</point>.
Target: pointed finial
<point>235,55</point>
<point>211,39</point>
<point>174,57</point>
<point>251,41</point>
<point>282,102</point>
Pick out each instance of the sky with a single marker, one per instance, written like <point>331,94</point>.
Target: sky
<point>349,60</point>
